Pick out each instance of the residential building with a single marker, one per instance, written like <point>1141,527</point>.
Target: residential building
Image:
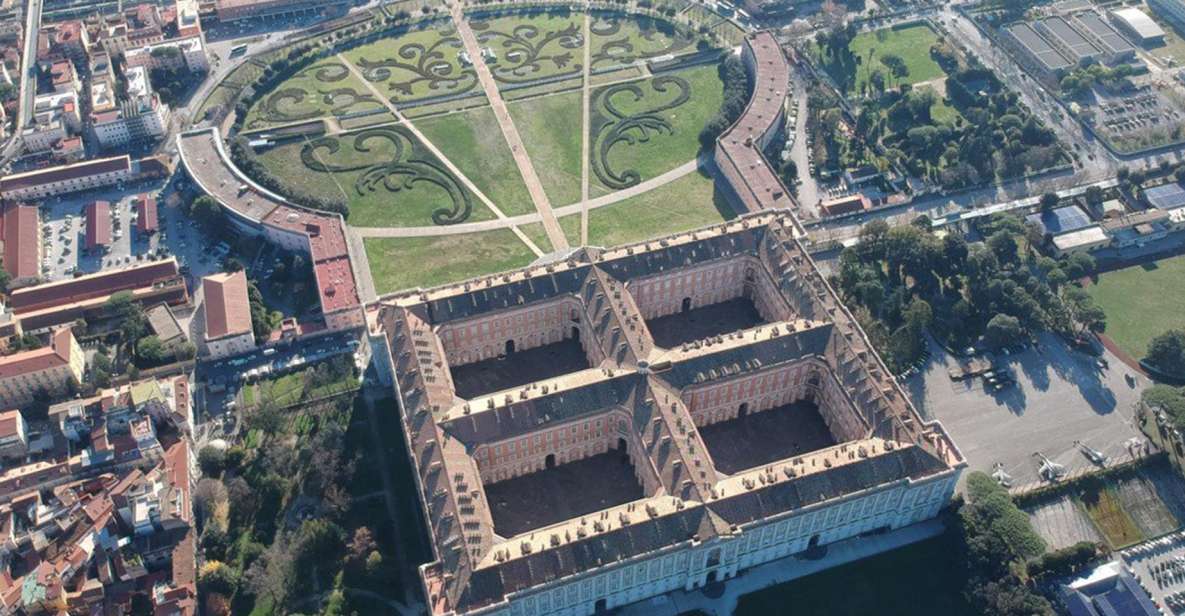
<point>142,117</point>
<point>86,175</point>
<point>14,435</point>
<point>118,543</point>
<point>189,21</point>
<point>137,26</point>
<point>175,54</point>
<point>22,243</point>
<point>62,302</point>
<point>63,77</point>
<point>850,204</point>
<point>52,369</point>
<point>228,315</point>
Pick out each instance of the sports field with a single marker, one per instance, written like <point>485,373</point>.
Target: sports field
<point>1142,302</point>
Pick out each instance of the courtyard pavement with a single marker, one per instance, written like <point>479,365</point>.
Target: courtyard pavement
<point>1060,396</point>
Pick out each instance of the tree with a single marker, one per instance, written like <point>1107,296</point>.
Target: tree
<point>212,460</point>
<point>1049,201</point>
<point>1003,330</point>
<point>1166,352</point>
<point>185,351</point>
<point>134,324</point>
<point>150,350</point>
<point>215,576</point>
<point>1079,265</point>
<point>206,212</point>
<point>1094,195</point>
<point>360,547</point>
<point>101,369</point>
<point>211,501</point>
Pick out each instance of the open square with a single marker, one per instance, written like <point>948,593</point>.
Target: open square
<point>516,368</point>
<point>759,438</point>
<point>561,493</point>
<point>697,323</point>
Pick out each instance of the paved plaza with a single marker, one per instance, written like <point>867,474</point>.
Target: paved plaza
<point>1060,396</point>
<point>519,368</point>
<point>761,438</point>
<point>703,322</point>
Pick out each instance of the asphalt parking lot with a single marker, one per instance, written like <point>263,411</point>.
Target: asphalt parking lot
<point>63,234</point>
<point>1060,396</point>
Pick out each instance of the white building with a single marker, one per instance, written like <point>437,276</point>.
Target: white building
<point>142,117</point>
<point>175,54</point>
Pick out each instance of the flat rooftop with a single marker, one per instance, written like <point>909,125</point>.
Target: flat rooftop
<point>1050,58</point>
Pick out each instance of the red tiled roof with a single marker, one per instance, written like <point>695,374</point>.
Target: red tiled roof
<point>83,169</point>
<point>9,423</point>
<point>36,360</point>
<point>228,312</point>
<point>146,221</point>
<point>91,286</point>
<point>98,224</point>
<point>20,241</point>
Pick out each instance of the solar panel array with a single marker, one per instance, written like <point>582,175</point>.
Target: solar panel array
<point>1108,36</point>
<point>1050,58</point>
<point>1074,42</point>
<point>1166,197</point>
<point>1061,220</point>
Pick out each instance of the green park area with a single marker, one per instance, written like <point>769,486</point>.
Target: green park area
<point>689,202</point>
<point>900,54</point>
<point>475,144</point>
<point>549,127</point>
<point>416,64</point>
<point>403,263</point>
<point>384,174</point>
<point>570,225</point>
<point>641,129</point>
<point>326,88</point>
<point>1141,302</point>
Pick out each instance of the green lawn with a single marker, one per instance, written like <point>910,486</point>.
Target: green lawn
<point>569,224</point>
<point>415,65</point>
<point>911,43</point>
<point>323,89</point>
<point>474,142</point>
<point>392,202</point>
<point>1142,302</point>
<point>687,203</point>
<point>887,584</point>
<point>550,129</point>
<point>290,389</point>
<point>650,152</point>
<point>1109,516</point>
<point>402,263</point>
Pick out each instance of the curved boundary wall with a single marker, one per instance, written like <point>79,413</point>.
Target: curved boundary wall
<point>254,210</point>
<point>750,178</point>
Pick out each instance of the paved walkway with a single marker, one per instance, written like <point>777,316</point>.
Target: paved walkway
<point>781,571</point>
<point>584,134</point>
<point>439,155</point>
<point>525,219</point>
<point>506,123</point>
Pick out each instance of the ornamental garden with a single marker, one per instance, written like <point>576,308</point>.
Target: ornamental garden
<point>388,122</point>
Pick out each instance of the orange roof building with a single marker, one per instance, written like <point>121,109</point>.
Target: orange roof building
<point>49,368</point>
<point>22,247</point>
<point>228,314</point>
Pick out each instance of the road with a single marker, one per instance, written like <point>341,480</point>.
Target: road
<point>28,82</point>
